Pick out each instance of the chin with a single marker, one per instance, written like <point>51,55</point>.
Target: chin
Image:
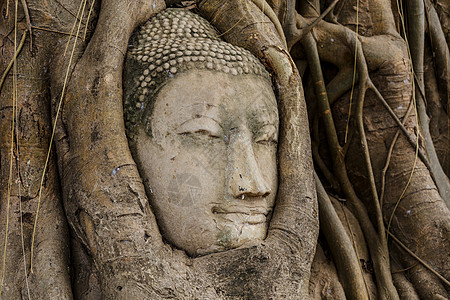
<point>232,235</point>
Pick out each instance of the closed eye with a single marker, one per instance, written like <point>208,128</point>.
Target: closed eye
<point>202,126</point>
<point>268,134</point>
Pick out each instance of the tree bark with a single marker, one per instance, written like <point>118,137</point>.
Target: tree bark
<point>74,217</point>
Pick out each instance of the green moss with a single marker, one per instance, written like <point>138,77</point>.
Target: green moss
<point>224,238</point>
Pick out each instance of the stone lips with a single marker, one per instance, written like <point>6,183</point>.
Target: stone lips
<point>174,41</point>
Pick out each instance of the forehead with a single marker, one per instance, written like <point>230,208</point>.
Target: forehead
<point>217,92</point>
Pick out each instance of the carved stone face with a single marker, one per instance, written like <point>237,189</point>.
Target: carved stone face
<point>209,162</point>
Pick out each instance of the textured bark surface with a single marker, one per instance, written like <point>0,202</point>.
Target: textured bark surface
<point>32,120</point>
<point>96,235</point>
<point>421,218</point>
<point>104,199</point>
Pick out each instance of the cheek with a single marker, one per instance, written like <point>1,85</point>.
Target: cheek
<point>206,161</point>
<point>183,172</point>
<point>266,156</point>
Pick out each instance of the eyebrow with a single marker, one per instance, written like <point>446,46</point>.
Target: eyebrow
<point>199,116</point>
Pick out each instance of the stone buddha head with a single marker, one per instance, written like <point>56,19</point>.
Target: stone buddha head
<point>202,123</point>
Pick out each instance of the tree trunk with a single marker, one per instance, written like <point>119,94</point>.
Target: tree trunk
<point>74,215</point>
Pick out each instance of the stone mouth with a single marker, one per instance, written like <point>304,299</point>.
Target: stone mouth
<point>242,214</point>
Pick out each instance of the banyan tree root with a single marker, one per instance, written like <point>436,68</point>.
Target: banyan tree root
<point>24,139</point>
<point>103,195</point>
<point>105,200</point>
<point>419,207</point>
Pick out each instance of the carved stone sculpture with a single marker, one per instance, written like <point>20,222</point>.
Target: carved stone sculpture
<point>202,119</point>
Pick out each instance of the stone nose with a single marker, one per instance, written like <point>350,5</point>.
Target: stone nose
<point>244,177</point>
